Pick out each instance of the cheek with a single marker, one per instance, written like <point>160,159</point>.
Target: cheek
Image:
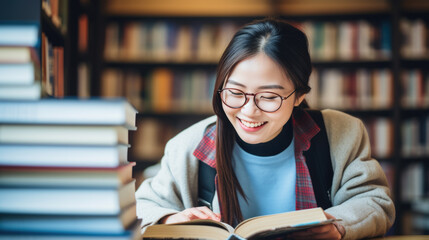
<point>283,116</point>
<point>229,112</point>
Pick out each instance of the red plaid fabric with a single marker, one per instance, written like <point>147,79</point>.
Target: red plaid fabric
<point>206,149</point>
<point>304,129</point>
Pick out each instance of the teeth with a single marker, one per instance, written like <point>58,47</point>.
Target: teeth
<point>251,124</point>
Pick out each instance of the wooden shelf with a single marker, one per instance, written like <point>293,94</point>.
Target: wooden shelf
<point>416,6</point>
<point>317,7</point>
<point>408,112</point>
<point>129,63</point>
<point>382,63</point>
<point>138,64</point>
<point>416,63</point>
<point>190,8</point>
<point>244,8</point>
<point>405,160</point>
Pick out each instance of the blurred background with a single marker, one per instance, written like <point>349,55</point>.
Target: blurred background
<point>370,58</point>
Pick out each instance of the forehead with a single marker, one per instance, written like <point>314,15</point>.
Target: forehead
<point>258,70</point>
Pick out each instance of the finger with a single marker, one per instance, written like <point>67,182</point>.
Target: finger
<point>209,213</point>
<point>323,232</point>
<point>175,218</point>
<point>322,229</point>
<point>326,235</point>
<point>329,216</point>
<point>195,213</point>
<point>301,233</point>
<point>311,231</point>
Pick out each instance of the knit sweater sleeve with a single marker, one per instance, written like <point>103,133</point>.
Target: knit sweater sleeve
<point>360,193</point>
<point>175,187</point>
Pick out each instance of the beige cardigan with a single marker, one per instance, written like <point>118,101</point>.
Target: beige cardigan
<point>359,195</point>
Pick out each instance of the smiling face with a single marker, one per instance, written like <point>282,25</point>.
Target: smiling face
<point>252,75</point>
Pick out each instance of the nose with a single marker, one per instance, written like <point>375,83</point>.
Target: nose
<point>250,107</point>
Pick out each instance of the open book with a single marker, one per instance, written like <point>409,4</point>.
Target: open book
<point>262,227</point>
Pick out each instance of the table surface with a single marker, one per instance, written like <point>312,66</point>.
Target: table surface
<point>408,237</point>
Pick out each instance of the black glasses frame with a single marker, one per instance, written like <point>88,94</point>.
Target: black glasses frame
<point>254,99</point>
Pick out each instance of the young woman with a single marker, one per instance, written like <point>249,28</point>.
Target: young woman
<point>257,142</point>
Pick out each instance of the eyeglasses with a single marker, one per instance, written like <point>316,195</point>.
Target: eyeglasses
<point>265,101</point>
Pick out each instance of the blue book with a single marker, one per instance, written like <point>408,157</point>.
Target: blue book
<point>19,35</point>
<point>76,201</point>
<point>132,233</point>
<point>69,224</point>
<point>386,39</point>
<point>47,155</point>
<point>69,111</point>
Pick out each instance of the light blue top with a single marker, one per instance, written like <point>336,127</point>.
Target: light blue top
<point>268,182</point>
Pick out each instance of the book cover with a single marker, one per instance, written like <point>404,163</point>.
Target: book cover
<point>63,134</point>
<point>17,73</point>
<point>66,201</point>
<point>63,155</point>
<point>21,92</point>
<point>19,35</point>
<point>132,233</point>
<point>94,111</point>
<point>76,224</point>
<point>14,54</point>
<point>262,227</point>
<point>26,176</point>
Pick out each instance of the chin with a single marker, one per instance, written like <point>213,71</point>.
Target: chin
<point>250,140</point>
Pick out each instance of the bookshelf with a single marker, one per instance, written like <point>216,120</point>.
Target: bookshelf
<point>119,66</point>
<point>84,36</point>
<point>54,27</point>
<point>413,81</point>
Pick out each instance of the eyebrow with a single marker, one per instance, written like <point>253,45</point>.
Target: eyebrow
<point>274,86</point>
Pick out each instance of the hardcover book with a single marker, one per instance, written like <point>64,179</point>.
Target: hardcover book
<point>66,200</point>
<point>262,227</point>
<point>69,224</point>
<point>63,155</point>
<point>76,177</point>
<point>131,233</point>
<point>69,111</point>
<point>63,134</point>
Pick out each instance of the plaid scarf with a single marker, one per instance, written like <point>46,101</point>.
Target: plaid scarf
<point>304,129</point>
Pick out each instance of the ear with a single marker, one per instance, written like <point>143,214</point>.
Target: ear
<point>299,99</point>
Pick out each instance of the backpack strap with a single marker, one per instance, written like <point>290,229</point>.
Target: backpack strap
<point>318,160</point>
<point>206,184</point>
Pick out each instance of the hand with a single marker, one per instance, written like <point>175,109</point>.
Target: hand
<point>190,214</point>
<point>334,231</point>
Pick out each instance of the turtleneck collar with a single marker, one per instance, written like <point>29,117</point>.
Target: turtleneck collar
<point>272,147</point>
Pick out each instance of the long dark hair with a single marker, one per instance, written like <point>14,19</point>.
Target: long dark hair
<point>284,44</point>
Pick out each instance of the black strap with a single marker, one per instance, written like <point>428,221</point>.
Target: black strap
<point>318,159</point>
<point>206,184</point>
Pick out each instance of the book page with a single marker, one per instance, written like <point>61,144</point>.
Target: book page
<point>208,222</point>
<point>282,222</point>
<point>194,229</point>
<point>174,231</point>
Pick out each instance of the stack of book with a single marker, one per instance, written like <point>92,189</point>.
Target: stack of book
<point>64,171</point>
<point>19,62</point>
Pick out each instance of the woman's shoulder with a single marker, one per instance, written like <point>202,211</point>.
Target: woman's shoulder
<point>337,118</point>
<point>341,127</point>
